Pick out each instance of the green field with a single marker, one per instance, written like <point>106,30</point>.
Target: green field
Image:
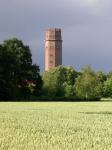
<point>56,126</point>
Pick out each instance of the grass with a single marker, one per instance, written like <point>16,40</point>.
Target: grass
<point>56,126</point>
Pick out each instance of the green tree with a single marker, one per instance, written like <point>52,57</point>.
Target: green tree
<point>108,87</point>
<point>53,80</point>
<point>71,75</point>
<point>109,74</point>
<point>101,78</point>
<point>57,80</point>
<point>86,85</point>
<point>7,62</point>
<point>69,91</point>
<point>17,71</point>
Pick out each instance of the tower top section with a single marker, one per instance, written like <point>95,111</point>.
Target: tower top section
<point>53,35</point>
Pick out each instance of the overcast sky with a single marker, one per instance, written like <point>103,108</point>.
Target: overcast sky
<point>86,29</point>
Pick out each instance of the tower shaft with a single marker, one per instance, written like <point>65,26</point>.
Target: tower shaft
<point>53,48</point>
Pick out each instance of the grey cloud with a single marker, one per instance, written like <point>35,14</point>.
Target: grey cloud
<point>86,28</point>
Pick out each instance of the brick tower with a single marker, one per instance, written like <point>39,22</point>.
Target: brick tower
<point>53,48</point>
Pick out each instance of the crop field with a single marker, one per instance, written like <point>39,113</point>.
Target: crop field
<point>56,126</point>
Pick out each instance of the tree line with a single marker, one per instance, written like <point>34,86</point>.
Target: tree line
<point>20,79</point>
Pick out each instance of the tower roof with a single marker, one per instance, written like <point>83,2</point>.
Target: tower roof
<point>53,34</point>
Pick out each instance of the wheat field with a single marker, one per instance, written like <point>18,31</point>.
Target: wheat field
<point>56,126</point>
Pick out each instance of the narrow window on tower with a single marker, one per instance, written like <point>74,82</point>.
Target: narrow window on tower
<point>51,55</point>
<point>51,47</point>
<point>51,62</point>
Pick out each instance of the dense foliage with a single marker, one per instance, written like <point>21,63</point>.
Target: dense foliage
<point>19,78</point>
<point>60,81</point>
<point>68,84</point>
<point>87,86</point>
